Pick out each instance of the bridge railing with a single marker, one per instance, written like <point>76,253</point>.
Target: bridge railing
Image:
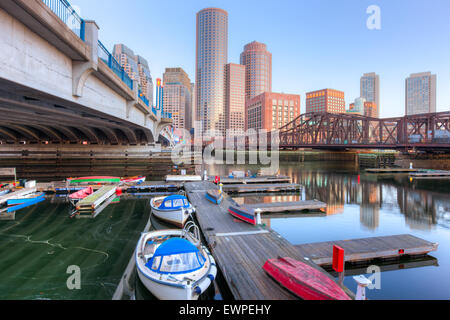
<point>144,98</point>
<point>166,115</point>
<point>68,15</point>
<point>115,66</point>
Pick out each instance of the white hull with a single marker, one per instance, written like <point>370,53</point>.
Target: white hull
<point>177,217</point>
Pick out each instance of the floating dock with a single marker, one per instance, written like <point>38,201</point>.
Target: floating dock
<point>241,249</point>
<point>395,170</point>
<point>285,207</point>
<point>366,249</point>
<point>91,203</point>
<point>257,180</point>
<point>430,174</point>
<point>261,188</point>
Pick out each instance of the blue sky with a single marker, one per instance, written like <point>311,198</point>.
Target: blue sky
<point>315,44</point>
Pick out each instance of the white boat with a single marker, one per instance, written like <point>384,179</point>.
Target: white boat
<point>173,265</point>
<point>174,209</point>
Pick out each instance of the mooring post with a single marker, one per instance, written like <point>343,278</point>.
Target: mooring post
<point>362,282</point>
<point>258,216</point>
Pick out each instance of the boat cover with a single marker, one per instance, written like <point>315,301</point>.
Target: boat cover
<point>174,202</point>
<point>176,256</point>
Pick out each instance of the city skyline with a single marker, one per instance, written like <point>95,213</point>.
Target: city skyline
<point>356,50</point>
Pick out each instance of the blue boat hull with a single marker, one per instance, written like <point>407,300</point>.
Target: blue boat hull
<point>24,204</point>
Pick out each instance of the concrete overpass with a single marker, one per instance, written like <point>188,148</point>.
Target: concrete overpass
<point>59,85</point>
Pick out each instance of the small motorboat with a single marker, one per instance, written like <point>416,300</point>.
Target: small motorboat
<point>137,180</point>
<point>243,214</point>
<point>174,209</point>
<point>215,196</point>
<point>80,195</point>
<point>173,265</point>
<point>303,280</point>
<point>24,199</point>
<point>94,180</point>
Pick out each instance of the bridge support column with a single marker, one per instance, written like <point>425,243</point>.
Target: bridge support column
<point>80,69</point>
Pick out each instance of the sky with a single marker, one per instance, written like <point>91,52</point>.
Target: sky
<point>315,44</point>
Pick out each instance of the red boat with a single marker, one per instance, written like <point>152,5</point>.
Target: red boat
<point>243,214</point>
<point>303,280</point>
<point>80,195</point>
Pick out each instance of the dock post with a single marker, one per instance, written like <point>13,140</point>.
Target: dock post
<point>205,175</point>
<point>221,187</point>
<point>362,282</point>
<point>258,216</point>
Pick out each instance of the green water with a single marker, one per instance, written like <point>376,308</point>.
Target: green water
<point>39,245</point>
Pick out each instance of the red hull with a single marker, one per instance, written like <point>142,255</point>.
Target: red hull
<point>82,194</point>
<point>303,280</point>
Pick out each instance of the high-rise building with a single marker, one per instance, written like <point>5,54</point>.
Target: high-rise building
<point>420,93</point>
<point>326,100</point>
<point>234,99</point>
<point>137,69</point>
<point>177,97</point>
<point>211,58</point>
<point>364,108</point>
<point>258,62</point>
<point>370,90</point>
<point>271,111</point>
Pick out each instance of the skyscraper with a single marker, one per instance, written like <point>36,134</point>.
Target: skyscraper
<point>136,67</point>
<point>420,93</point>
<point>235,99</point>
<point>211,58</point>
<point>326,100</point>
<point>177,97</point>
<point>258,63</point>
<point>370,90</point>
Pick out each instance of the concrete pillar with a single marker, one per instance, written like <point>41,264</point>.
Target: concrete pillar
<point>81,70</point>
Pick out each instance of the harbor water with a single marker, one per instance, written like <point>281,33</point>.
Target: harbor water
<point>40,243</point>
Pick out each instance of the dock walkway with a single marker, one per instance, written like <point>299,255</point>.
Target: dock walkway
<point>241,249</point>
<point>257,180</point>
<point>294,206</point>
<point>367,249</point>
<point>257,188</point>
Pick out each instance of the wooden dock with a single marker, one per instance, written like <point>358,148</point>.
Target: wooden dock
<point>394,170</point>
<point>91,203</point>
<point>367,249</point>
<point>241,249</point>
<point>259,188</point>
<point>257,180</point>
<point>430,174</point>
<point>16,194</point>
<point>280,207</point>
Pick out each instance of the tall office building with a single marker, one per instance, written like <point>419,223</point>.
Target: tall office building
<point>137,69</point>
<point>271,110</point>
<point>211,58</point>
<point>258,62</point>
<point>234,99</point>
<point>364,108</point>
<point>370,90</point>
<point>326,100</point>
<point>420,93</point>
<point>177,97</point>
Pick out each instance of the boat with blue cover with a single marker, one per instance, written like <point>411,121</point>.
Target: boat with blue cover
<point>215,196</point>
<point>174,265</point>
<point>174,209</point>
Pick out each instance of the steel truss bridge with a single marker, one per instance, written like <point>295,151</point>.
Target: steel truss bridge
<point>428,132</point>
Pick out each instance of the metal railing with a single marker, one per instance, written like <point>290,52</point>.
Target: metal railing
<point>68,15</point>
<point>166,115</point>
<point>144,98</point>
<point>155,112</point>
<point>115,66</point>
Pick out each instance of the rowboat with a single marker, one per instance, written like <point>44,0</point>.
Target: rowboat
<point>94,180</point>
<point>303,280</point>
<point>215,196</point>
<point>80,195</point>
<point>173,265</point>
<point>25,199</point>
<point>174,209</point>
<point>243,214</point>
<point>137,179</point>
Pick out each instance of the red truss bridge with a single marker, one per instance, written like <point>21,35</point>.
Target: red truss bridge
<point>428,132</point>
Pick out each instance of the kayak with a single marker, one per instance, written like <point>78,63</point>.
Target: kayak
<point>137,179</point>
<point>303,280</point>
<point>243,214</point>
<point>94,179</point>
